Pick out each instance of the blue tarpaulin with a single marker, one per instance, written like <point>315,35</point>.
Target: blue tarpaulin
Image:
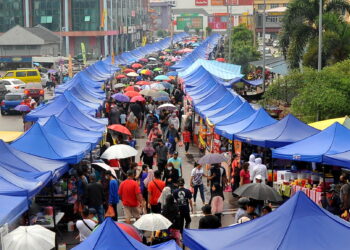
<point>108,236</point>
<point>333,140</point>
<point>284,132</point>
<point>12,207</point>
<point>341,159</point>
<point>298,224</point>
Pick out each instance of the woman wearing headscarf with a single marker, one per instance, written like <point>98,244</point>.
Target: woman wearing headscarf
<point>162,198</point>
<point>173,119</point>
<point>259,169</point>
<point>251,164</point>
<point>149,178</point>
<point>155,131</point>
<point>171,212</point>
<point>132,123</point>
<point>147,154</point>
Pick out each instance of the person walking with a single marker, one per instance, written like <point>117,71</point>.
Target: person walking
<point>177,162</point>
<point>130,194</point>
<point>217,176</point>
<point>171,176</point>
<point>132,123</point>
<point>172,213</point>
<point>172,137</point>
<point>209,221</point>
<point>183,197</point>
<point>151,121</point>
<point>153,135</point>
<point>259,169</point>
<point>196,182</point>
<point>162,156</point>
<point>113,199</point>
<point>186,138</point>
<point>147,154</point>
<point>174,120</point>
<point>86,225</point>
<point>155,189</point>
<point>244,175</point>
<point>94,198</point>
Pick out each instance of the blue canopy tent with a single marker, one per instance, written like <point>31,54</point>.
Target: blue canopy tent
<point>284,132</point>
<point>64,131</point>
<point>298,224</point>
<point>258,120</point>
<point>11,208</point>
<point>19,162</point>
<point>333,140</point>
<point>108,236</point>
<point>232,115</point>
<point>37,142</point>
<point>341,159</point>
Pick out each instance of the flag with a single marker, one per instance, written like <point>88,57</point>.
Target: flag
<point>70,66</point>
<point>113,58</point>
<point>83,53</point>
<point>103,18</point>
<point>144,40</point>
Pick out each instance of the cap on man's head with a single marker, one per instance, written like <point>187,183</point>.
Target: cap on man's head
<point>181,182</point>
<point>258,177</point>
<point>176,153</point>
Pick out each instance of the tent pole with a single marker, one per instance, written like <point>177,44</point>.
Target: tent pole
<point>324,179</point>
<point>272,172</point>
<point>54,214</point>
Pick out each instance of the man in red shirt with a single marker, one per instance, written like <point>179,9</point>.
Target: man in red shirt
<point>130,194</point>
<point>155,189</point>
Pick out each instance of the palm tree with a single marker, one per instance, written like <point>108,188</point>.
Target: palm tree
<point>300,25</point>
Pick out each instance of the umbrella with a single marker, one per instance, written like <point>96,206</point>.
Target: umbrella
<point>29,237</point>
<point>23,108</point>
<point>143,83</point>
<point>105,167</point>
<point>52,71</point>
<point>136,66</point>
<point>132,88</point>
<point>161,78</point>
<point>167,106</point>
<point>120,97</point>
<point>143,60</point>
<point>167,63</point>
<point>212,159</point>
<point>120,76</point>
<point>132,93</point>
<point>186,50</point>
<point>130,230</point>
<point>152,59</point>
<point>36,64</point>
<point>137,99</point>
<point>120,129</point>
<point>128,70</point>
<point>132,74</point>
<point>220,59</point>
<point>168,50</point>
<point>119,151</point>
<point>172,73</point>
<point>258,191</point>
<point>157,69</point>
<point>161,99</point>
<point>148,92</point>
<point>195,44</point>
<point>167,85</point>
<point>152,222</point>
<point>146,72</point>
<point>157,86</point>
<point>119,85</point>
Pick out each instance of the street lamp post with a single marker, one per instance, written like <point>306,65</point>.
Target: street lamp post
<point>319,62</point>
<point>264,45</point>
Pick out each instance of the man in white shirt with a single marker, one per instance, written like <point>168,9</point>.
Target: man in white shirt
<point>259,169</point>
<point>86,225</point>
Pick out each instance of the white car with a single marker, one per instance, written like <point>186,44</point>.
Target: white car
<point>276,43</point>
<point>13,85</point>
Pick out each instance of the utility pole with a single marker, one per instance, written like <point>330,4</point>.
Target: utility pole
<point>264,46</point>
<point>229,31</point>
<point>319,66</point>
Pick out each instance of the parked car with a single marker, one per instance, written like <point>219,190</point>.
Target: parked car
<point>34,90</point>
<point>13,85</point>
<point>26,75</point>
<point>276,43</point>
<point>3,92</point>
<point>10,101</point>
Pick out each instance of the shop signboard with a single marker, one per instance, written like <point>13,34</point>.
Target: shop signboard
<point>192,21</point>
<point>201,2</point>
<point>218,21</point>
<point>218,2</point>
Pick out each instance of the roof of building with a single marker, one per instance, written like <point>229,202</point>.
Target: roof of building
<point>44,33</point>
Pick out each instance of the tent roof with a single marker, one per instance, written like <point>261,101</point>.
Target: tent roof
<point>296,218</point>
<point>108,236</point>
<point>341,159</point>
<point>38,142</point>
<point>19,162</point>
<point>257,120</point>
<point>11,208</point>
<point>321,125</point>
<point>333,140</point>
<point>286,131</point>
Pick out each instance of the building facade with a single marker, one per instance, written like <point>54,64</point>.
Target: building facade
<point>161,11</point>
<point>102,25</point>
<point>216,14</point>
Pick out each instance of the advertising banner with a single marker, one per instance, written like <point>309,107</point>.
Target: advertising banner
<point>201,2</point>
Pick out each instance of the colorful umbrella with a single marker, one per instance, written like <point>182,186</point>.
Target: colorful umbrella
<point>120,76</point>
<point>220,59</point>
<point>146,72</point>
<point>152,59</point>
<point>171,77</point>
<point>167,63</point>
<point>22,108</point>
<point>143,60</point>
<point>120,97</point>
<point>132,94</point>
<point>167,106</point>
<point>119,85</point>
<point>149,92</point>
<point>161,78</point>
<point>128,70</point>
<point>120,129</point>
<point>130,230</point>
<point>137,99</point>
<point>132,74</point>
<point>186,50</point>
<point>157,86</point>
<point>132,88</point>
<point>172,73</point>
<point>142,83</point>
<point>157,69</point>
<point>167,85</point>
<point>136,66</point>
<point>161,99</point>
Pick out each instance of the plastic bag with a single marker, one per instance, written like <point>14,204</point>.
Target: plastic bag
<point>110,211</point>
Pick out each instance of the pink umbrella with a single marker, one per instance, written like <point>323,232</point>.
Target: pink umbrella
<point>137,99</point>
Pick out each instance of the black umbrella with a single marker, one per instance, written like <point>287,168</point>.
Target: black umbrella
<point>258,191</point>
<point>212,159</point>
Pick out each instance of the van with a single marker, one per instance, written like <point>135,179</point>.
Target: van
<point>26,75</point>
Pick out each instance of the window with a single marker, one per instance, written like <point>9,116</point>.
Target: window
<point>87,19</point>
<point>274,5</point>
<point>285,5</point>
<point>9,74</point>
<point>13,97</point>
<point>5,83</point>
<point>86,15</point>
<point>32,73</point>
<point>47,13</point>
<point>272,19</point>
<point>21,74</point>
<point>11,14</point>
<point>260,6</point>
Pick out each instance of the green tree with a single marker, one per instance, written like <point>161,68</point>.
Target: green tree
<point>197,30</point>
<point>242,47</point>
<point>161,33</point>
<point>208,30</point>
<point>300,26</point>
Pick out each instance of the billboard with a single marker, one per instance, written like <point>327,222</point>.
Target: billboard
<point>201,2</point>
<point>218,2</point>
<point>192,21</point>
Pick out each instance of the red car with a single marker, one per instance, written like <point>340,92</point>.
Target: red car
<point>34,90</point>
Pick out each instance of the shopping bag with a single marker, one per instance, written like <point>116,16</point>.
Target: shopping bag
<point>110,211</point>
